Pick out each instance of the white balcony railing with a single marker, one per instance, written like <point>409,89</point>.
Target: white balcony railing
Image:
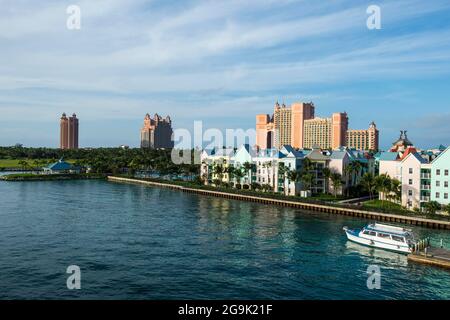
<point>425,198</point>
<point>425,187</point>
<point>425,176</point>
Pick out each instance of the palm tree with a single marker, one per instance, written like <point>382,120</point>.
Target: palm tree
<point>383,183</point>
<point>219,170</point>
<point>307,180</point>
<point>357,167</point>
<point>326,174</point>
<point>248,167</point>
<point>432,206</point>
<point>231,173</point>
<point>368,182</point>
<point>336,180</point>
<point>396,189</point>
<point>293,176</point>
<point>239,174</point>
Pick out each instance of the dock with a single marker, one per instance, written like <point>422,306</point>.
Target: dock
<point>438,257</point>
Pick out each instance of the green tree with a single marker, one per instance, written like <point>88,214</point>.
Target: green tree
<point>431,207</point>
<point>327,175</point>
<point>369,183</point>
<point>384,186</point>
<point>336,180</point>
<point>447,208</point>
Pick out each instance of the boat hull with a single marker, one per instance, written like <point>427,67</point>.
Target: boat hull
<point>354,237</point>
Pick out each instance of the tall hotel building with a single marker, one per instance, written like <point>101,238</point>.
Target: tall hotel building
<point>364,139</point>
<point>284,127</point>
<point>157,132</point>
<point>68,135</point>
<point>297,126</point>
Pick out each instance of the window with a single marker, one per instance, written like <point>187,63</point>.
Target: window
<point>410,181</point>
<point>445,196</point>
<point>438,172</point>
<point>438,183</point>
<point>397,238</point>
<point>446,184</point>
<point>437,195</point>
<point>410,170</point>
<point>446,172</point>
<point>410,193</point>
<point>370,233</point>
<point>383,235</point>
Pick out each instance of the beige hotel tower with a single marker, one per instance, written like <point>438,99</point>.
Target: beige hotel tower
<point>297,126</point>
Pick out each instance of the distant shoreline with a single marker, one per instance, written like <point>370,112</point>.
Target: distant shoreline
<point>50,177</point>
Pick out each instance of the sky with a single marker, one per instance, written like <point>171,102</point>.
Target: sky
<point>221,62</point>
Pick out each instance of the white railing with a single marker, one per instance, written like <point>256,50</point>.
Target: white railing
<point>425,187</point>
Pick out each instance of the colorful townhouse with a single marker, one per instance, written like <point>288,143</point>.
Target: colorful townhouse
<point>273,168</point>
<point>440,178</point>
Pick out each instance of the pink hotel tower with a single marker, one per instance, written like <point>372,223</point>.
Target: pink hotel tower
<point>297,126</point>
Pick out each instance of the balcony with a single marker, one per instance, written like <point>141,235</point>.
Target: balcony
<point>425,175</point>
<point>425,198</point>
<point>425,187</point>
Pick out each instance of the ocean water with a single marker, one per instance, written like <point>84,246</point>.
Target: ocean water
<point>139,242</point>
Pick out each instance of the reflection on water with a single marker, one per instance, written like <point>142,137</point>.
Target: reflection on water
<point>377,256</point>
<point>138,242</point>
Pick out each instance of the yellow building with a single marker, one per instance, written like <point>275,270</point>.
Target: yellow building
<point>363,139</point>
<point>317,133</point>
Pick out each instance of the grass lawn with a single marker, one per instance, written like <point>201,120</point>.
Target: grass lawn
<point>14,163</point>
<point>378,204</point>
<point>328,197</point>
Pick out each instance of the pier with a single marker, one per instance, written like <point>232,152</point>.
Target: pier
<point>393,218</point>
<point>438,257</point>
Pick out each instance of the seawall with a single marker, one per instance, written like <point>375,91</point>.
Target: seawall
<point>385,217</point>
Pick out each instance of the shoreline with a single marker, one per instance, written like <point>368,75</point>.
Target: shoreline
<point>23,177</point>
<point>379,216</point>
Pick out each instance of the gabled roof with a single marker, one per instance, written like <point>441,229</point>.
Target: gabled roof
<point>60,165</point>
<point>339,155</point>
<point>415,155</point>
<point>440,154</point>
<point>408,151</point>
<point>316,154</point>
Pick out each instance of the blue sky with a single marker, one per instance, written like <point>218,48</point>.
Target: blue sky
<point>221,62</point>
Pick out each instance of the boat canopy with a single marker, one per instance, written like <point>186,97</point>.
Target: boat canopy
<point>389,229</point>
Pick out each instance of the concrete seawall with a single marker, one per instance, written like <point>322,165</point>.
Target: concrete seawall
<point>417,221</point>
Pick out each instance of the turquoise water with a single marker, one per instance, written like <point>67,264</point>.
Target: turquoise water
<point>137,242</point>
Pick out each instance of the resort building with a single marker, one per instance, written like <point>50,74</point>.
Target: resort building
<point>284,127</point>
<point>61,167</point>
<point>157,132</point>
<point>68,132</point>
<point>279,170</point>
<point>401,144</point>
<point>296,126</point>
<point>363,139</point>
<point>414,189</point>
<point>440,178</point>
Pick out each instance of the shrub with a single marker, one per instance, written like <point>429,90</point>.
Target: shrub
<point>238,186</point>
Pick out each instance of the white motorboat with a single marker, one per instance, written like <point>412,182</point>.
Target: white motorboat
<point>383,236</point>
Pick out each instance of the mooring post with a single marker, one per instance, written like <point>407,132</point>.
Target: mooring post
<point>442,243</point>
